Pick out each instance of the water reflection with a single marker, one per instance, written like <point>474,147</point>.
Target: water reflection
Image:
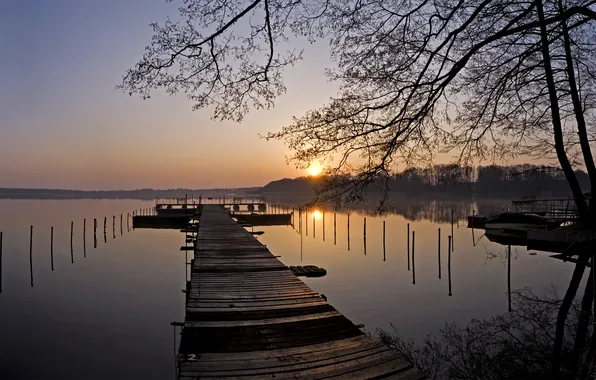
<point>120,299</point>
<point>371,288</point>
<point>476,284</point>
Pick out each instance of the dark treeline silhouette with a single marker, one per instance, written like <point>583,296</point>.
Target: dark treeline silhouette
<point>455,180</point>
<point>143,194</point>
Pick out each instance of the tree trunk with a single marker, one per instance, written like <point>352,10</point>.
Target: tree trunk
<point>556,120</point>
<point>579,115</point>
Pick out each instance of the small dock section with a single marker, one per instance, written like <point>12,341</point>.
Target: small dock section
<point>249,317</point>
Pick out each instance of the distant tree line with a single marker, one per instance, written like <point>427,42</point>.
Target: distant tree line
<point>455,180</point>
<point>143,194</point>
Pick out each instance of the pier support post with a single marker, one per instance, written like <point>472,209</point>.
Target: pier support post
<point>413,256</point>
<point>509,276</point>
<point>408,242</point>
<point>452,248</point>
<point>473,238</point>
<point>71,250</point>
<point>31,254</point>
<point>439,250</point>
<point>52,247</point>
<point>449,263</point>
<point>365,227</point>
<point>1,238</point>
<point>323,225</point>
<point>384,251</point>
<point>348,232</point>
<point>306,220</point>
<point>364,236</point>
<point>314,226</point>
<point>84,237</point>
<point>334,229</point>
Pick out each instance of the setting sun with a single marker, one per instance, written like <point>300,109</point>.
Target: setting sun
<point>314,171</point>
<point>316,214</point>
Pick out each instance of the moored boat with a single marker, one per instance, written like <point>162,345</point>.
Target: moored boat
<point>520,221</point>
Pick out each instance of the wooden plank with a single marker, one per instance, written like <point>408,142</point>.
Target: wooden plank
<point>262,322</point>
<point>362,340</point>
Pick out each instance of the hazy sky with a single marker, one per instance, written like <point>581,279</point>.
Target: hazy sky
<point>63,125</point>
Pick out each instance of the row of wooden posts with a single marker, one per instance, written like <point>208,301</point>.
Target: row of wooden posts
<point>143,211</point>
<point>411,245</point>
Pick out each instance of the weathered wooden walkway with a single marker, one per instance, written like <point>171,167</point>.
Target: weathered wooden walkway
<point>249,317</point>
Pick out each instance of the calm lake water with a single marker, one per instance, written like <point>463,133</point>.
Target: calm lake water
<point>107,315</point>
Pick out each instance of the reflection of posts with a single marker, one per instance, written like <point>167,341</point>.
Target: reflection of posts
<point>449,262</point>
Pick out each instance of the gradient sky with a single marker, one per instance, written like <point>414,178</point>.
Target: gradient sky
<point>63,125</point>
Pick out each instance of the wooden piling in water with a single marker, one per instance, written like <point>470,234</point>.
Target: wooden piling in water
<point>452,230</point>
<point>439,250</point>
<point>473,239</point>
<point>348,232</point>
<point>31,254</point>
<point>306,221</point>
<point>449,263</point>
<point>323,225</point>
<point>408,242</point>
<point>84,237</point>
<point>509,276</point>
<point>384,251</point>
<point>1,238</point>
<point>314,227</point>
<point>120,224</point>
<point>334,229</point>
<point>52,247</point>
<point>71,250</point>
<point>413,256</point>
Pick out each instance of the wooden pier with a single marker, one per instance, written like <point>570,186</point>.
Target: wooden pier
<point>249,317</point>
